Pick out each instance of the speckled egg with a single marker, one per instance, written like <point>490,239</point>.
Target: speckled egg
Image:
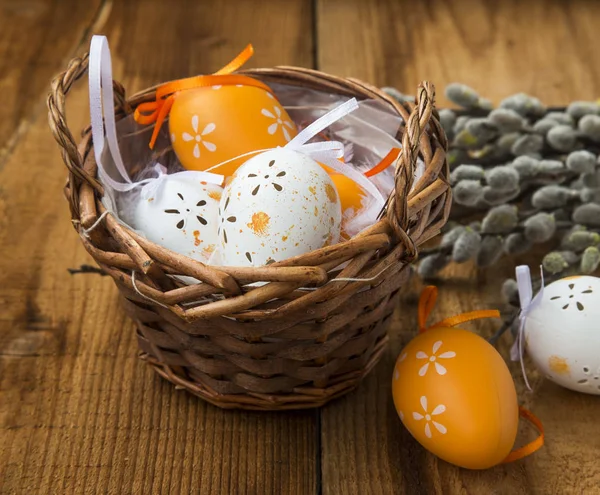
<point>182,215</point>
<point>562,333</point>
<point>278,204</point>
<point>456,396</point>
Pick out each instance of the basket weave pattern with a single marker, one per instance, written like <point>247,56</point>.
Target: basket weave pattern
<point>277,345</point>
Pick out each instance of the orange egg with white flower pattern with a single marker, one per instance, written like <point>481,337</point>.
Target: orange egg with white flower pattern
<point>456,396</point>
<point>214,124</point>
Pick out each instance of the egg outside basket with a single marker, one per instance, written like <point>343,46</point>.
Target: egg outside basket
<point>273,346</point>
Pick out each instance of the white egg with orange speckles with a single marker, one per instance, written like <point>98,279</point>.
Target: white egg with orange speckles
<point>279,204</point>
<point>562,333</point>
<point>182,215</point>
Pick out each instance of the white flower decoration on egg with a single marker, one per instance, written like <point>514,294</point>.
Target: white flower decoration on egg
<point>198,137</point>
<point>428,417</point>
<point>434,359</point>
<point>279,122</point>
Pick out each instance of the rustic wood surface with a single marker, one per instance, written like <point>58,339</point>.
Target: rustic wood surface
<point>79,413</point>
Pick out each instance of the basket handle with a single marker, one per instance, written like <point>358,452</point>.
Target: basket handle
<point>57,119</point>
<point>396,209</point>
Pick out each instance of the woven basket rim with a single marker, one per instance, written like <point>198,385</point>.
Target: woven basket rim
<point>259,332</point>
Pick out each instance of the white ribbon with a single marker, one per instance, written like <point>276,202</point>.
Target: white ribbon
<point>528,302</point>
<point>102,114</point>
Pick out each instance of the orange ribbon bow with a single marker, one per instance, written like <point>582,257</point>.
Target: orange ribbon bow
<point>157,111</point>
<point>426,305</point>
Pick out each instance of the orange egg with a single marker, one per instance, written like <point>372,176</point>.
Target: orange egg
<point>456,396</point>
<point>213,124</point>
<point>351,194</point>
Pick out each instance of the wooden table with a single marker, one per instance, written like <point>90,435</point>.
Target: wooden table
<point>79,413</point>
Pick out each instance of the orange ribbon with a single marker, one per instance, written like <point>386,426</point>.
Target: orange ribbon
<point>157,111</point>
<point>531,447</point>
<point>385,163</point>
<point>426,305</point>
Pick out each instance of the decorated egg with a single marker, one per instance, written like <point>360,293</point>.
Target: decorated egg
<point>279,204</point>
<point>456,396</point>
<point>562,333</point>
<point>181,215</point>
<point>211,125</point>
<point>351,194</point>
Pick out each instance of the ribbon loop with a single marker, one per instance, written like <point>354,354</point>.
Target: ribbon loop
<point>528,302</point>
<point>157,111</point>
<point>427,303</point>
<point>532,446</point>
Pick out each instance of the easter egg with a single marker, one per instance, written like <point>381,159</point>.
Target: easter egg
<point>351,194</point>
<point>181,215</point>
<point>279,204</point>
<point>562,333</point>
<point>456,396</point>
<point>214,124</point>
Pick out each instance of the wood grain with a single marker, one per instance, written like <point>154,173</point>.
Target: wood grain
<point>79,413</point>
<point>540,47</point>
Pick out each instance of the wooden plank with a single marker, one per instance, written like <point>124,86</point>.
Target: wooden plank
<point>540,47</point>
<point>36,39</point>
<point>78,411</point>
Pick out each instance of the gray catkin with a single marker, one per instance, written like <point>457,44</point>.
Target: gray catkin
<point>560,117</point>
<point>450,237</point>
<point>590,260</point>
<point>482,128</point>
<point>544,125</point>
<point>466,172</point>
<point>510,291</point>
<point>505,142</point>
<point>494,197</point>
<point>524,105</point>
<point>432,265</point>
<point>589,125</point>
<point>540,227</point>
<point>502,178</point>
<point>500,219</point>
<point>490,251</point>
<point>578,109</point>
<point>550,167</point>
<point>581,161</point>
<point>562,138</point>
<point>447,119</point>
<point>468,192</point>
<point>462,95</point>
<point>516,243</point>
<point>527,144</point>
<point>579,240</point>
<point>554,263</point>
<point>590,195</point>
<point>507,120</point>
<point>552,196</point>
<point>466,246</point>
<point>460,123</point>
<point>587,214</point>
<point>526,166</point>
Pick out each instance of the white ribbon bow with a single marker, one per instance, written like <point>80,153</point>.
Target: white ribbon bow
<point>101,105</point>
<point>528,302</point>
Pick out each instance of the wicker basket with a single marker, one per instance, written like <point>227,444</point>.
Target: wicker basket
<point>274,346</point>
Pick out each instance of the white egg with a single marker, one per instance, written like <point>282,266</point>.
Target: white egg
<point>278,204</point>
<point>182,216</point>
<point>562,333</point>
